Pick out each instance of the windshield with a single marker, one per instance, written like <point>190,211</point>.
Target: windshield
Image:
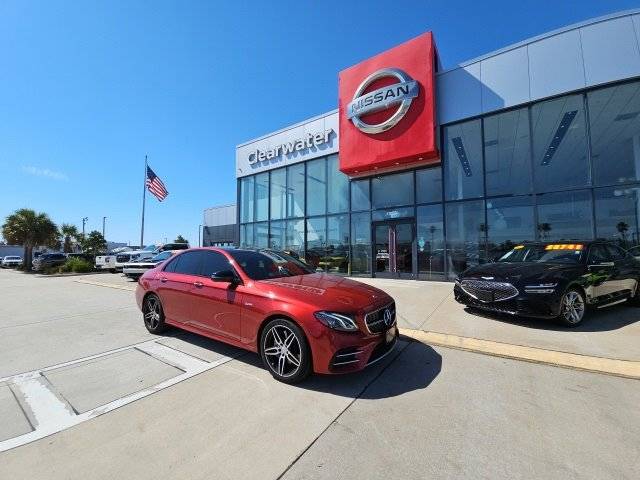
<point>149,248</point>
<point>265,264</point>
<point>553,253</point>
<point>161,257</point>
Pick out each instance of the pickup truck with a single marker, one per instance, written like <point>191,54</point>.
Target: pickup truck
<point>108,261</point>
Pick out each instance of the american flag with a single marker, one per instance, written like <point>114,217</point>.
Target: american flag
<point>155,185</point>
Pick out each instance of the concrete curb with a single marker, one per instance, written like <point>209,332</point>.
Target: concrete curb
<point>607,366</point>
<point>108,285</point>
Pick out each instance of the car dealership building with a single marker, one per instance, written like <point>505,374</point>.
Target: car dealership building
<point>423,172</point>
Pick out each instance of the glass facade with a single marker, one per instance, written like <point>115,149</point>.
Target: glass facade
<point>567,168</point>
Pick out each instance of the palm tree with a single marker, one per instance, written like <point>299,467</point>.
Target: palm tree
<point>544,229</point>
<point>69,232</point>
<point>30,229</point>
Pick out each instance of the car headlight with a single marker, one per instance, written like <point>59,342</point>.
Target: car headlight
<point>541,288</point>
<point>336,321</point>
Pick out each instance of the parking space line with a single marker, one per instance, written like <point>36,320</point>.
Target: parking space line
<point>607,366</point>
<point>108,285</point>
<point>52,415</point>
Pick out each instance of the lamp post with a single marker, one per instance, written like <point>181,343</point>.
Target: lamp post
<point>84,221</point>
<point>103,223</point>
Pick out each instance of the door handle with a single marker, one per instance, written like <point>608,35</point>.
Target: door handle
<point>198,284</point>
<point>163,280</point>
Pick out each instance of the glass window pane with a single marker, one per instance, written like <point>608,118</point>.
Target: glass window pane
<point>429,185</point>
<point>361,243</point>
<point>559,144</point>
<point>466,233</point>
<point>277,235</point>
<point>338,185</point>
<point>294,240</point>
<point>316,187</point>
<point>246,235</point>
<point>295,189</point>
<point>189,263</point>
<point>246,199</point>
<point>278,193</point>
<point>360,195</point>
<point>614,116</point>
<point>337,259</point>
<point>262,196</point>
<point>430,242</point>
<point>617,212</point>
<point>507,153</point>
<point>392,190</point>
<point>565,216</point>
<point>510,221</point>
<point>316,241</point>
<point>261,235</point>
<point>213,262</point>
<point>463,161</point>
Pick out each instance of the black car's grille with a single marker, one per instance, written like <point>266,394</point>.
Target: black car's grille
<point>122,258</point>
<point>381,319</point>
<point>488,291</point>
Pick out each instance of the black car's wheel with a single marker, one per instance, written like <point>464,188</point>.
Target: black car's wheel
<point>153,314</point>
<point>572,308</point>
<point>285,351</point>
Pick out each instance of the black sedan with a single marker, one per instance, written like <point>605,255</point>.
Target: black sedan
<point>552,280</point>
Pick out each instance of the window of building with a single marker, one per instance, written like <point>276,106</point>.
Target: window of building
<point>247,185</point>
<point>261,235</point>
<point>361,243</point>
<point>316,187</point>
<point>614,117</point>
<point>262,196</point>
<point>559,144</point>
<point>392,190</point>
<point>360,195</point>
<point>277,235</point>
<point>338,187</point>
<point>337,244</point>
<point>246,235</point>
<point>466,233</point>
<point>295,190</point>
<point>510,220</point>
<point>617,215</point>
<point>507,153</point>
<point>430,242</point>
<point>294,240</point>
<point>278,193</point>
<point>316,242</point>
<point>565,216</point>
<point>462,158</point>
<point>429,185</point>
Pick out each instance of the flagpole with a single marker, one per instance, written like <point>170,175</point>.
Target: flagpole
<point>144,196</point>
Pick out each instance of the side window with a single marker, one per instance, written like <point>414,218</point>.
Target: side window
<point>189,263</point>
<point>213,262</point>
<point>171,266</point>
<point>616,253</point>
<point>598,254</point>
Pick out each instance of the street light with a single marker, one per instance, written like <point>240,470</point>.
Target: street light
<point>84,220</point>
<point>103,222</point>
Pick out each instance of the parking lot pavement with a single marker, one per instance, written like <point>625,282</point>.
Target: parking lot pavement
<point>612,332</point>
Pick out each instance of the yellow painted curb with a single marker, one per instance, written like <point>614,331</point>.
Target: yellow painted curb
<point>108,285</point>
<point>608,366</point>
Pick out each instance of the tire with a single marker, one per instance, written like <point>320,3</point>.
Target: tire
<point>153,314</point>
<point>294,363</point>
<point>572,308</point>
<point>113,270</point>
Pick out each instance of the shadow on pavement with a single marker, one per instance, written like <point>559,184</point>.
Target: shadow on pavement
<point>415,366</point>
<point>607,319</point>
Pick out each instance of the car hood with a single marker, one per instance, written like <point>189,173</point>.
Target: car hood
<point>326,292</point>
<point>520,272</point>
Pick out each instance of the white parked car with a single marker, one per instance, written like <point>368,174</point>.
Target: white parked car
<point>135,255</point>
<point>11,261</point>
<point>136,268</point>
<point>108,261</point>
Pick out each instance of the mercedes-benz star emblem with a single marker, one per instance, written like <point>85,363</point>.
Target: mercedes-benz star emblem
<point>401,93</point>
<point>388,317</point>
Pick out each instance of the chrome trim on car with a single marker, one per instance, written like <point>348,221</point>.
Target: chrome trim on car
<point>388,305</point>
<point>344,363</point>
<point>393,347</point>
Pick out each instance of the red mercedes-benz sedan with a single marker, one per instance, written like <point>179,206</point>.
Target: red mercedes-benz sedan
<point>268,302</point>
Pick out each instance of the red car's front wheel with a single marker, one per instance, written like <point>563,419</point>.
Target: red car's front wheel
<point>285,351</point>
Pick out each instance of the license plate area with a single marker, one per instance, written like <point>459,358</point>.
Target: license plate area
<point>390,335</point>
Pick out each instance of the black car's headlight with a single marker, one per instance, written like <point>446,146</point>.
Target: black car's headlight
<point>541,288</point>
<point>336,321</point>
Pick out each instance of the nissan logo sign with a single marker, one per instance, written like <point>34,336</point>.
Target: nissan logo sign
<point>401,93</point>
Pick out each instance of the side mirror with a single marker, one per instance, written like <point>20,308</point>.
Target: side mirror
<point>226,276</point>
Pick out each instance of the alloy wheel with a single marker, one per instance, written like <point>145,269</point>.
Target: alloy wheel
<point>572,307</point>
<point>282,350</point>
<point>152,312</point>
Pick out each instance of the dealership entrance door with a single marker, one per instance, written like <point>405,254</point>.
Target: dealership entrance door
<point>394,249</point>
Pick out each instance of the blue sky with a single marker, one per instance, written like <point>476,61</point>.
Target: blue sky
<point>88,88</point>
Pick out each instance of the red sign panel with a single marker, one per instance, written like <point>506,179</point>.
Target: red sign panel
<point>387,109</point>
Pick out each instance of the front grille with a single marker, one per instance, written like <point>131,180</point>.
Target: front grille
<point>123,258</point>
<point>380,320</point>
<point>487,291</point>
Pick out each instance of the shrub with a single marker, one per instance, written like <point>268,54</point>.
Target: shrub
<point>77,265</point>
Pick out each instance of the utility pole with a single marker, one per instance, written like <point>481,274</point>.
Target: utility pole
<point>144,196</point>
<point>103,222</point>
<point>84,220</point>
